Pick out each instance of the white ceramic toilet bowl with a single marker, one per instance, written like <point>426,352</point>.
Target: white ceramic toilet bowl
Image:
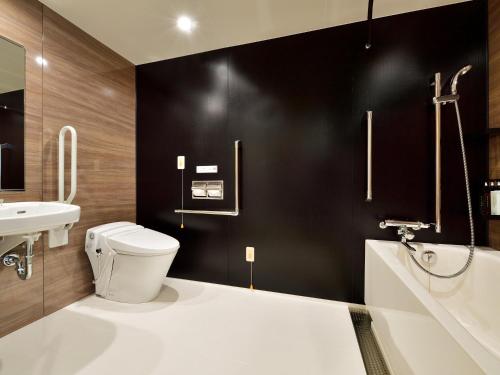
<point>129,261</point>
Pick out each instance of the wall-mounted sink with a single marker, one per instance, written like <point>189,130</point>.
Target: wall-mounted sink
<point>20,218</point>
<point>24,221</point>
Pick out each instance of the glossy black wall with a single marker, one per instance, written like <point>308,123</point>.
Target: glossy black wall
<point>298,105</point>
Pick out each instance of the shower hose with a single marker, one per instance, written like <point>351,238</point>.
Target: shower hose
<point>412,250</point>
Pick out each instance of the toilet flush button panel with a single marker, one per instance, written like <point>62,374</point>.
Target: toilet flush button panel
<point>206,169</point>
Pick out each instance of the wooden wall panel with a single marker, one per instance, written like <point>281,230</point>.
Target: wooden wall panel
<point>86,85</point>
<point>494,105</point>
<point>494,62</point>
<point>91,88</point>
<point>21,302</point>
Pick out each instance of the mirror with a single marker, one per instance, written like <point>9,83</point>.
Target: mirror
<point>12,85</point>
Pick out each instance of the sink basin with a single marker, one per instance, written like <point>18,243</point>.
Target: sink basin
<point>20,218</point>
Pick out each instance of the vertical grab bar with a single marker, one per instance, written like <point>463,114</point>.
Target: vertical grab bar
<point>369,192</point>
<point>437,94</point>
<point>72,193</point>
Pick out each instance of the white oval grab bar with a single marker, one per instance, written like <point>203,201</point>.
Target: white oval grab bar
<point>72,193</point>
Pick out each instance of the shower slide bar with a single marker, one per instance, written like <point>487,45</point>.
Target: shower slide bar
<point>437,105</point>
<point>236,210</point>
<point>72,193</point>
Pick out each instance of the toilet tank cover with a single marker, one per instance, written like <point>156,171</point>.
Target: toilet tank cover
<point>143,242</point>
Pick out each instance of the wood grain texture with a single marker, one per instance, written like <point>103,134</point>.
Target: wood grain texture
<point>494,62</point>
<point>91,88</point>
<point>494,157</point>
<point>21,302</point>
<point>494,231</point>
<point>21,22</point>
<point>494,105</point>
<point>87,85</point>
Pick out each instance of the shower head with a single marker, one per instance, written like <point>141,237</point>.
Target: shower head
<point>454,81</point>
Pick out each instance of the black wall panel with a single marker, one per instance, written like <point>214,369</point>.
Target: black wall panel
<point>298,106</point>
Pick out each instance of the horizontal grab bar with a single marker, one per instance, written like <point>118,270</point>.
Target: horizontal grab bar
<point>204,212</point>
<point>236,210</point>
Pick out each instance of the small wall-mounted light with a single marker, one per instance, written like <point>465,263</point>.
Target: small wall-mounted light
<point>41,61</point>
<point>186,24</point>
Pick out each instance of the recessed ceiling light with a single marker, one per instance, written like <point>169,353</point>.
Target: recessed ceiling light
<point>41,61</point>
<point>185,24</point>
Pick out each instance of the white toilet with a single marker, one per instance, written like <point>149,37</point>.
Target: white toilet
<point>129,261</point>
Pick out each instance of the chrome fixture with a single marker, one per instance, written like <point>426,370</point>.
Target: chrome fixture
<point>368,43</point>
<point>24,267</point>
<point>236,210</point>
<point>207,190</point>
<point>369,132</point>
<point>445,99</point>
<point>429,257</point>
<point>415,225</point>
<point>438,100</point>
<point>405,228</point>
<point>454,81</point>
<point>437,171</point>
<point>406,234</point>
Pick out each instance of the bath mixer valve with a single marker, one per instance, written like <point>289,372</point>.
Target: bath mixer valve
<point>405,228</point>
<point>405,234</point>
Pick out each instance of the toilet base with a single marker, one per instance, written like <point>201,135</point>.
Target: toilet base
<point>137,279</point>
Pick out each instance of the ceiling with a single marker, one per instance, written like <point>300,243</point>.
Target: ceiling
<point>145,31</point>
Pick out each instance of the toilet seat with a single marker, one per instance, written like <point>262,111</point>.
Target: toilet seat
<point>143,242</point>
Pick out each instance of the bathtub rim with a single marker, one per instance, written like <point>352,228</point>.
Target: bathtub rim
<point>486,360</point>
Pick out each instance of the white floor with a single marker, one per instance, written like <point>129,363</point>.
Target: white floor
<point>191,328</point>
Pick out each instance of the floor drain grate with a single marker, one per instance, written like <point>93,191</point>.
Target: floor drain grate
<point>370,351</point>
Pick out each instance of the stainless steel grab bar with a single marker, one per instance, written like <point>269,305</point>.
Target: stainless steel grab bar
<point>437,105</point>
<point>236,210</point>
<point>369,192</point>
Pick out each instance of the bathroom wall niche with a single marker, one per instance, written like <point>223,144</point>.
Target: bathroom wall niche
<point>12,87</point>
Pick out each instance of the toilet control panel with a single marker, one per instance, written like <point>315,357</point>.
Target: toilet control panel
<point>207,190</point>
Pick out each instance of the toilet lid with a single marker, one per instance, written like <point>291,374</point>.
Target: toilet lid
<point>144,242</point>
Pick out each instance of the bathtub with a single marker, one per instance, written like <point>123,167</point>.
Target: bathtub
<point>427,325</point>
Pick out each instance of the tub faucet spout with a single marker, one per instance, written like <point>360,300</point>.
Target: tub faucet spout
<point>405,234</point>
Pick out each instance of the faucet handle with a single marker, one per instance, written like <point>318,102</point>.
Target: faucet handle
<point>406,234</point>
